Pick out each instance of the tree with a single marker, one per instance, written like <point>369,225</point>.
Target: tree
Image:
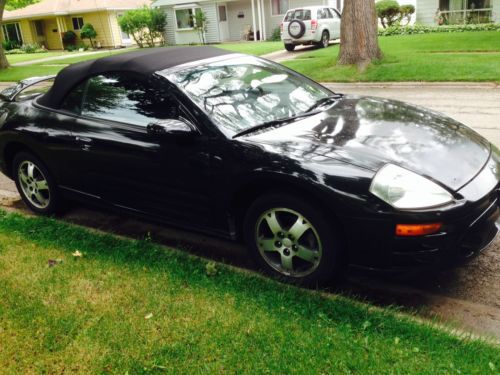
<point>387,12</point>
<point>88,32</point>
<point>200,24</point>
<point>145,25</point>
<point>13,4</point>
<point>358,34</point>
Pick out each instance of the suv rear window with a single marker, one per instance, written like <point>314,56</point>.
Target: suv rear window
<point>298,14</point>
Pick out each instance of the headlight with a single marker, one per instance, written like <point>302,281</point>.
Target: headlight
<point>404,189</point>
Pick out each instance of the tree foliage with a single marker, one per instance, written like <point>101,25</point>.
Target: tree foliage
<point>88,32</point>
<point>145,25</point>
<point>16,4</point>
<point>391,13</point>
<point>200,24</point>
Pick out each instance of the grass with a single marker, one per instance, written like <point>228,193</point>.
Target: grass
<point>468,56</point>
<point>17,58</point>
<point>133,306</point>
<point>253,48</point>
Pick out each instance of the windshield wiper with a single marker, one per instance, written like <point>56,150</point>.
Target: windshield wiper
<point>272,123</point>
<point>320,102</point>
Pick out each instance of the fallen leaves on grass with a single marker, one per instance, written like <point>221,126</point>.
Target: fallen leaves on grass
<point>54,262</point>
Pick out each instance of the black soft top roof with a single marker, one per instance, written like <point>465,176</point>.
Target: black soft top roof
<point>143,62</point>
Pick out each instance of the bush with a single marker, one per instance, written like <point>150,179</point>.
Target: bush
<point>388,12</point>
<point>422,29</point>
<point>276,35</point>
<point>30,47</point>
<point>69,39</point>
<point>88,32</point>
<point>9,45</point>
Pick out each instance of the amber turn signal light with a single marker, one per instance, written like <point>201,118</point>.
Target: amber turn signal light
<point>410,230</point>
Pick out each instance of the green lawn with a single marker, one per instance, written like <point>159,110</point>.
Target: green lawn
<point>252,48</point>
<point>130,306</point>
<point>13,59</point>
<point>468,56</point>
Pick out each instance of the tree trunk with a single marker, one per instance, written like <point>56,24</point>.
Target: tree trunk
<point>4,64</point>
<point>358,34</point>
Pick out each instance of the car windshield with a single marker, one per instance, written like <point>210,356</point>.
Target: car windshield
<point>298,14</point>
<point>243,92</point>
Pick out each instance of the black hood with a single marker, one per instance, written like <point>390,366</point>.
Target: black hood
<point>370,132</point>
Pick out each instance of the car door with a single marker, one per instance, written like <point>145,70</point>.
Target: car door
<point>334,23</point>
<point>122,162</point>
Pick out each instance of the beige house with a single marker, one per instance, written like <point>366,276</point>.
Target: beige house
<point>45,22</point>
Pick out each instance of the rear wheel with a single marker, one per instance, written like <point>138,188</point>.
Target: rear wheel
<point>35,184</point>
<point>291,240</point>
<point>289,47</point>
<point>325,39</point>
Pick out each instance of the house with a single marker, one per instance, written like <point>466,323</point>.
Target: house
<point>230,20</point>
<point>457,11</point>
<point>45,21</point>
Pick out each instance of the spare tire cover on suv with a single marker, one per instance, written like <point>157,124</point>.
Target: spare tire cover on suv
<point>296,29</point>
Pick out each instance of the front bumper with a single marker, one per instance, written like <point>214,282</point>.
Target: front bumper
<point>467,230</point>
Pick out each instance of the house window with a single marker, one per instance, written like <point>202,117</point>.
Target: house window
<point>77,23</point>
<point>279,7</point>
<point>12,32</point>
<point>186,18</point>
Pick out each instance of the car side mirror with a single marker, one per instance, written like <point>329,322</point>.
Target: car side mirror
<point>172,128</point>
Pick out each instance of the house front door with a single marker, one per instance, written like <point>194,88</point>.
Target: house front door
<point>223,26</point>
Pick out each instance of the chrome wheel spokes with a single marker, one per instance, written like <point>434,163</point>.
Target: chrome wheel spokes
<point>288,242</point>
<point>34,184</point>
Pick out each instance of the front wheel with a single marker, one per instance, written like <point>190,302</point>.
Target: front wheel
<point>289,47</point>
<point>292,240</point>
<point>35,184</point>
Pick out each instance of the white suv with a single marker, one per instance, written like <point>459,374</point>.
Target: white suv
<point>310,25</point>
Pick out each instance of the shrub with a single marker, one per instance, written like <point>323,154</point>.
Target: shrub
<point>30,47</point>
<point>88,32</point>
<point>69,38</point>
<point>388,12</point>
<point>276,35</point>
<point>423,29</point>
<point>10,45</point>
<point>200,24</point>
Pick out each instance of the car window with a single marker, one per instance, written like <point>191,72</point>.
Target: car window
<point>123,98</point>
<point>335,13</point>
<point>323,14</point>
<point>34,90</point>
<point>73,101</point>
<point>242,92</point>
<point>298,14</point>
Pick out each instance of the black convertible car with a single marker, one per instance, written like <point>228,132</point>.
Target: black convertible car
<point>240,147</point>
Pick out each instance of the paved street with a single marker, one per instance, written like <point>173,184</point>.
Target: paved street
<point>468,295</point>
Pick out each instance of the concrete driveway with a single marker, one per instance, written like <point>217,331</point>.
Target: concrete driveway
<point>468,295</point>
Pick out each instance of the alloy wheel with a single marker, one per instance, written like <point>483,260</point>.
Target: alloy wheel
<point>288,242</point>
<point>34,184</point>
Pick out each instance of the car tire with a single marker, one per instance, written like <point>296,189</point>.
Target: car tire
<point>289,47</point>
<point>325,39</point>
<point>36,184</point>
<point>303,246</point>
<point>301,29</point>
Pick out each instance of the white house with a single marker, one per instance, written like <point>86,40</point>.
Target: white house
<point>230,20</point>
<point>458,11</point>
